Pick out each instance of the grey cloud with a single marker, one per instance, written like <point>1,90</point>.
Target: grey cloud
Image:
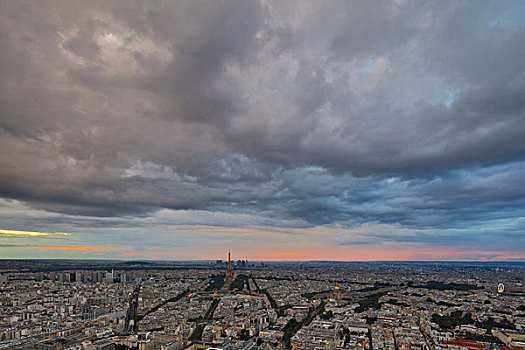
<point>294,114</point>
<point>83,45</point>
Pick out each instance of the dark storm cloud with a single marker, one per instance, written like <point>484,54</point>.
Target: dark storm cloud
<point>299,114</point>
<point>83,45</point>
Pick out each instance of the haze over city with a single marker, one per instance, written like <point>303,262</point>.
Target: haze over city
<point>279,130</point>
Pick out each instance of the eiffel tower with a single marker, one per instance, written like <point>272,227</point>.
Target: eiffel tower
<point>229,274</point>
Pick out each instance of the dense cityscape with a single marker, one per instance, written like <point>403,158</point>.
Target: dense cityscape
<point>261,305</point>
<point>262,174</point>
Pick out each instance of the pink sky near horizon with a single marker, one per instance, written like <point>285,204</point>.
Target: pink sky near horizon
<point>282,247</point>
<point>391,252</point>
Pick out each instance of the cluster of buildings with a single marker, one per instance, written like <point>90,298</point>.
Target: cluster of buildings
<point>276,306</point>
<point>319,335</point>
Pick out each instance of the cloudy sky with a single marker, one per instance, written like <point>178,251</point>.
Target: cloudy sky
<point>282,130</point>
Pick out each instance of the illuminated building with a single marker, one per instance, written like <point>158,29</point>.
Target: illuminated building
<point>229,275</point>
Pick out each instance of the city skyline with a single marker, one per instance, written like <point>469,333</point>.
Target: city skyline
<point>337,130</point>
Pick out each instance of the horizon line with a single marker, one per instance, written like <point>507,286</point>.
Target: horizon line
<point>281,261</point>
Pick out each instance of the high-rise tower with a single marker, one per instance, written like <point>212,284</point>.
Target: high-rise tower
<point>229,275</point>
